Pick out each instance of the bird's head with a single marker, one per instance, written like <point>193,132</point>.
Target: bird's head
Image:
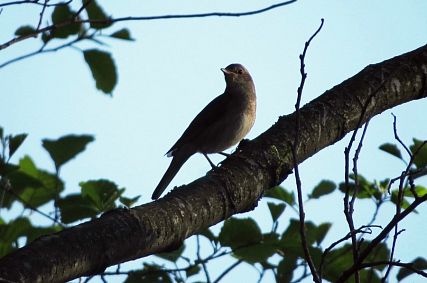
<point>237,76</point>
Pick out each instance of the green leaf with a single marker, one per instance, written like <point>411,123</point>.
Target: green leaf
<point>209,235</point>
<point>418,263</point>
<point>419,150</point>
<point>150,274</point>
<point>95,12</point>
<point>239,232</point>
<point>323,188</point>
<point>254,253</point>
<point>419,190</point>
<point>35,232</point>
<point>1,133</point>
<point>101,193</point>
<point>66,148</point>
<point>61,14</point>
<point>128,202</point>
<point>193,270</point>
<point>11,232</point>
<point>103,69</point>
<point>74,207</point>
<point>15,142</point>
<point>285,269</point>
<point>394,196</point>
<point>276,210</point>
<point>34,186</point>
<point>174,255</point>
<point>341,259</point>
<point>24,30</point>
<point>6,169</point>
<point>123,33</point>
<point>280,193</point>
<point>367,189</point>
<point>391,149</point>
<point>321,232</point>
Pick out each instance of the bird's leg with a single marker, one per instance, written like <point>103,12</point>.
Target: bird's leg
<point>225,154</point>
<point>210,162</point>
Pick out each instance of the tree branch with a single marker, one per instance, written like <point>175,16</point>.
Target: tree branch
<point>142,18</point>
<point>235,187</point>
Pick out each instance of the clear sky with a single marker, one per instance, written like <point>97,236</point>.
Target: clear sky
<point>172,71</point>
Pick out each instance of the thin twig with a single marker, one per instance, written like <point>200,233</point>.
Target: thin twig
<point>41,14</point>
<point>36,2</point>
<point>365,229</point>
<point>227,270</point>
<point>143,18</point>
<point>294,146</point>
<point>199,259</point>
<point>408,266</point>
<point>378,239</point>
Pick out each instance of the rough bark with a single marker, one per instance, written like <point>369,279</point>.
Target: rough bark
<point>236,186</point>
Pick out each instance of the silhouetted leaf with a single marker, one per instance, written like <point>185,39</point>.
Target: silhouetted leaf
<point>150,274</point>
<point>286,269</point>
<point>11,232</point>
<point>61,14</point>
<point>419,150</point>
<point>35,232</point>
<point>276,210</point>
<point>74,207</point>
<point>193,270</point>
<point>280,193</point>
<point>253,253</point>
<point>122,34</point>
<point>172,256</point>
<point>65,148</point>
<point>102,193</point>
<point>25,30</point>
<point>103,69</point>
<point>95,12</point>
<point>239,232</point>
<point>128,202</point>
<point>323,188</point>
<point>209,235</point>
<point>404,204</point>
<point>419,190</point>
<point>321,232</point>
<point>391,149</point>
<point>15,142</point>
<point>419,263</point>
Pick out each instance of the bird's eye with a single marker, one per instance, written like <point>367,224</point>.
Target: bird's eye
<point>240,71</point>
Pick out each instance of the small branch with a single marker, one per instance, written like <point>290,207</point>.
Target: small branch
<point>143,18</point>
<point>199,259</point>
<point>36,2</point>
<point>364,254</point>
<point>294,146</point>
<point>86,3</point>
<point>226,271</point>
<point>42,51</point>
<point>360,230</point>
<point>408,266</point>
<point>41,14</point>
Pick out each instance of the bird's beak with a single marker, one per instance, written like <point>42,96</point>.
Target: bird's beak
<point>225,71</point>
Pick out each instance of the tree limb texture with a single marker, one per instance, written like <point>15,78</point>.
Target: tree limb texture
<point>235,187</point>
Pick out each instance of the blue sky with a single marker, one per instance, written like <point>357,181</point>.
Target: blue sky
<point>172,71</point>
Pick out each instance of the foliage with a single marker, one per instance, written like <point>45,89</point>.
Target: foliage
<point>275,250</point>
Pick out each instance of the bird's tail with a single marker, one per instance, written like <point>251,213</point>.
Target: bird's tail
<point>176,164</point>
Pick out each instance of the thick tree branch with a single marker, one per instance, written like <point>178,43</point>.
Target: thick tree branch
<point>234,187</point>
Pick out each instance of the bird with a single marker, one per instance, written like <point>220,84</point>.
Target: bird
<point>224,122</point>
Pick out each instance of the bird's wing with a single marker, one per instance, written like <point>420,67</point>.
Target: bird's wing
<point>208,116</point>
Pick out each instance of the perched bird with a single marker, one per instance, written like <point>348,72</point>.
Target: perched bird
<point>221,124</point>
